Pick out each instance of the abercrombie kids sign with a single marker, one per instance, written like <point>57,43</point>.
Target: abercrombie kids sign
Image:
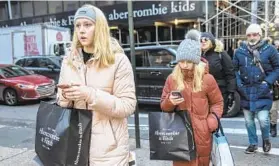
<point>143,11</point>
<point>158,9</point>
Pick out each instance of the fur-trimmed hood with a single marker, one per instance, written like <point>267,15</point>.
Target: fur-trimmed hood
<point>219,46</point>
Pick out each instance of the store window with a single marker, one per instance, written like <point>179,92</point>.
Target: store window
<point>40,8</point>
<point>16,10</point>
<point>27,9</point>
<point>120,1</point>
<point>71,5</point>
<point>3,12</point>
<point>55,7</point>
<point>104,3</point>
<point>87,2</point>
<point>163,33</point>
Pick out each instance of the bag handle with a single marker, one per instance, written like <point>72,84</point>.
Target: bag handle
<point>187,124</point>
<point>220,128</point>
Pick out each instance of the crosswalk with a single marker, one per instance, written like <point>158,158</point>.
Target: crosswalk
<point>234,129</point>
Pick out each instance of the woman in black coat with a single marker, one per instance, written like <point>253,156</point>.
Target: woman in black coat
<point>220,66</point>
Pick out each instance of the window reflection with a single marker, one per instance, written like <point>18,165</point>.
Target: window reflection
<point>40,8</point>
<point>27,9</point>
<point>54,6</point>
<point>3,11</point>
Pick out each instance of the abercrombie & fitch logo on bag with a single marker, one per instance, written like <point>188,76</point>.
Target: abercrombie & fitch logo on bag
<point>48,137</point>
<point>166,136</point>
<point>79,143</point>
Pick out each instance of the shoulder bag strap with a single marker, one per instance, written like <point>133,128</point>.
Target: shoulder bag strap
<point>220,128</point>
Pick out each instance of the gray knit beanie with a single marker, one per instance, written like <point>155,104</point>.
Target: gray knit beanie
<point>85,12</point>
<point>190,48</point>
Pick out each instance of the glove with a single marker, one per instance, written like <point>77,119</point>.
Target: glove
<point>267,84</point>
<point>230,99</point>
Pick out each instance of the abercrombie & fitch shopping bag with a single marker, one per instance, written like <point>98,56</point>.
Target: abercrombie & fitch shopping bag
<point>62,135</point>
<point>171,136</point>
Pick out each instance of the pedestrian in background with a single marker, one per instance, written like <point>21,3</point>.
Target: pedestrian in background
<point>257,68</point>
<point>220,66</point>
<point>200,96</point>
<point>98,76</point>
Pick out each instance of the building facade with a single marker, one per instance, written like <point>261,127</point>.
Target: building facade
<point>164,22</point>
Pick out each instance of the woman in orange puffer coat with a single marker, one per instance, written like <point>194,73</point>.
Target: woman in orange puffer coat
<point>200,96</point>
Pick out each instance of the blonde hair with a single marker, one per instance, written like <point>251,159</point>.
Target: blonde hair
<point>102,41</point>
<point>116,48</point>
<point>178,77</point>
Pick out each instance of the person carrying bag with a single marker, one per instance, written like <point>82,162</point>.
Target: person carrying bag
<point>190,87</point>
<point>101,81</point>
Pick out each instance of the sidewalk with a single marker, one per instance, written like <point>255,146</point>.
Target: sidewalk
<point>27,157</point>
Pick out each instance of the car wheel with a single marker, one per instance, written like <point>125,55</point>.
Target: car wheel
<point>235,108</point>
<point>10,97</point>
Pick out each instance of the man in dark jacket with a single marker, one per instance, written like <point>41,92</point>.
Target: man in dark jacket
<point>257,68</point>
<point>220,66</point>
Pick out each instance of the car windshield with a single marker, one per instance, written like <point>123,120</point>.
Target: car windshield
<point>13,71</point>
<point>174,47</point>
<point>57,61</point>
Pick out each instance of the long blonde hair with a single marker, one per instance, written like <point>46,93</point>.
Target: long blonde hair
<point>102,41</point>
<point>178,76</point>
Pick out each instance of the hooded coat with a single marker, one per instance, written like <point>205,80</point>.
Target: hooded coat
<point>200,106</point>
<point>221,67</point>
<point>111,99</point>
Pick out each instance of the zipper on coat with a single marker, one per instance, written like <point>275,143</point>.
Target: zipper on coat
<point>246,62</point>
<point>85,73</point>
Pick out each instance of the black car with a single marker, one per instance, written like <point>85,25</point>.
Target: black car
<point>153,65</point>
<point>45,65</point>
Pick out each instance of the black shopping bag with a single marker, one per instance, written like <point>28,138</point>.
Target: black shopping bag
<point>171,136</point>
<point>62,135</point>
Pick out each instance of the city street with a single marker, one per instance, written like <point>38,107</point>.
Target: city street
<point>17,131</point>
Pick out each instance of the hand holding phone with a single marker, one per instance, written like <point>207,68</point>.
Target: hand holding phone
<point>63,86</point>
<point>176,98</point>
<point>176,94</point>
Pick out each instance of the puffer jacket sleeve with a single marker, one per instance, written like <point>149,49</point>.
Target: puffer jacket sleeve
<point>274,60</point>
<point>61,101</point>
<point>236,69</point>
<point>166,104</point>
<point>215,101</point>
<point>228,72</point>
<point>122,102</point>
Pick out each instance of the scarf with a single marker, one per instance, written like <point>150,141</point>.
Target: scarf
<point>254,50</point>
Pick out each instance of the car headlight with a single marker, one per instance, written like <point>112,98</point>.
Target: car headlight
<point>23,86</point>
<point>52,82</point>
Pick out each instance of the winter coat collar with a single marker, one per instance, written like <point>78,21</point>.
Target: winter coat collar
<point>263,45</point>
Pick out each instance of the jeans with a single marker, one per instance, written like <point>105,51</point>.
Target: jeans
<point>264,120</point>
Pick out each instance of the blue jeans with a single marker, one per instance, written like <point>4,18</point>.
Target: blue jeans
<point>264,120</point>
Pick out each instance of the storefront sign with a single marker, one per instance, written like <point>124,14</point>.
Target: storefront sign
<point>144,11</point>
<point>155,9</point>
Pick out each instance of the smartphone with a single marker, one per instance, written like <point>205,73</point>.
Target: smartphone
<point>63,86</point>
<point>177,94</point>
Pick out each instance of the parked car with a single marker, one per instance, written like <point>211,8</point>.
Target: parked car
<point>45,65</point>
<point>153,65</point>
<point>18,84</point>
